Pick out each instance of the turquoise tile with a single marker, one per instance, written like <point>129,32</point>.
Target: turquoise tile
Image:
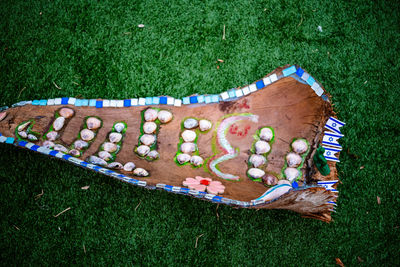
<point>215,98</point>
<point>310,81</point>
<point>200,98</point>
<point>149,100</point>
<point>208,99</point>
<point>78,102</point>
<point>156,100</point>
<point>92,102</point>
<point>35,102</point>
<point>43,102</point>
<point>186,100</point>
<point>289,71</point>
<point>85,102</point>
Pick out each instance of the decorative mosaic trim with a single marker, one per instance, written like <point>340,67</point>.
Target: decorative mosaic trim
<point>332,139</point>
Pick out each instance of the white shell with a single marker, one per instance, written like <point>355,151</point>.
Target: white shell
<point>115,165</point>
<point>87,135</point>
<point>205,125</point>
<point>150,114</point>
<point>66,112</point>
<point>75,152</point>
<point>115,137</point>
<point>58,123</point>
<point>190,123</point>
<point>164,116</point>
<point>293,159</point>
<point>183,158</point>
<point>266,134</point>
<point>255,173</point>
<point>3,115</point>
<point>269,179</point>
<point>52,135</point>
<point>23,134</point>
<point>32,137</point>
<point>147,139</point>
<point>196,160</point>
<point>129,166</point>
<point>149,127</point>
<point>119,127</point>
<point>105,155</point>
<point>140,172</point>
<point>188,148</point>
<point>79,144</point>
<point>97,161</point>
<point>188,135</point>
<point>262,147</point>
<point>23,126</point>
<point>143,150</point>
<point>299,146</point>
<point>110,147</point>
<point>257,160</point>
<point>48,144</point>
<point>60,148</point>
<point>93,123</point>
<point>291,173</point>
<point>153,154</point>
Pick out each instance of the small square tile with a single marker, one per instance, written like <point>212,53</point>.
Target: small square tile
<point>186,100</point>
<point>193,100</point>
<point>170,100</point>
<point>216,199</point>
<point>92,102</point>
<point>50,102</point>
<point>71,100</point>
<point>66,156</point>
<point>10,140</point>
<point>142,101</point>
<point>246,90</point>
<point>44,150</point>
<point>29,145</point>
<point>260,84</point>
<point>99,104</point>
<point>207,99</point>
<point>2,139</point>
<point>53,153</point>
<point>200,98</point>
<point>215,98</point>
<point>273,78</point>
<point>239,93</point>
<point>310,81</point>
<point>176,189</point>
<point>232,94</point>
<point>22,143</point>
<point>120,103</point>
<point>161,186</point>
<point>289,71</point>
<point>149,100</point>
<point>85,102</point>
<point>127,103</point>
<point>64,101</point>
<point>34,147</point>
<point>319,91</point>
<point>315,86</point>
<point>141,183</point>
<point>224,95</point>
<point>267,81</point>
<point>57,101</point>
<point>178,103</point>
<point>156,100</point>
<point>113,103</point>
<point>78,103</point>
<point>252,88</point>
<point>83,163</point>
<point>305,76</point>
<point>163,100</point>
<point>299,72</point>
<point>106,103</point>
<point>134,102</point>
<point>325,97</point>
<point>43,102</point>
<point>36,102</point>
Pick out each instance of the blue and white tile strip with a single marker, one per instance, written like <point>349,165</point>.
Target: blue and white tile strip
<point>330,140</point>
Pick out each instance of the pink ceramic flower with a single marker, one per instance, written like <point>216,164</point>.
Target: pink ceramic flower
<point>202,184</point>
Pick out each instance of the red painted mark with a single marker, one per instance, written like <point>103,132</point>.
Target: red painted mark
<point>244,104</point>
<point>234,129</point>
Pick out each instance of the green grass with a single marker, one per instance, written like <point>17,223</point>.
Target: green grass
<point>95,49</point>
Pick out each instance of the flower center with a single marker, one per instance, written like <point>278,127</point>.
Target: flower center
<point>205,182</point>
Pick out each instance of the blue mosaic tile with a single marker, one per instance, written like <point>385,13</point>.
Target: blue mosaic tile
<point>156,100</point>
<point>310,81</point>
<point>127,103</point>
<point>96,168</point>
<point>53,153</point>
<point>22,143</point>
<point>84,102</point>
<point>64,101</point>
<point>43,102</point>
<point>163,100</point>
<point>78,102</point>
<point>216,199</point>
<point>299,72</point>
<point>0,134</point>
<point>66,156</point>
<point>185,190</point>
<point>232,94</point>
<point>34,147</point>
<point>289,71</point>
<point>325,97</point>
<point>9,140</point>
<point>92,102</point>
<point>84,163</point>
<point>215,98</point>
<point>35,102</point>
<point>149,100</point>
<point>295,184</point>
<point>168,187</point>
<point>260,84</point>
<point>200,98</point>
<point>193,100</point>
<point>99,104</point>
<point>208,99</point>
<point>186,100</point>
<point>109,171</point>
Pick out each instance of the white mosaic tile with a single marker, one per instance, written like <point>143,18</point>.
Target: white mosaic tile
<point>224,95</point>
<point>239,93</point>
<point>267,80</point>
<point>134,102</point>
<point>176,189</point>
<point>246,90</point>
<point>305,76</point>
<point>142,183</point>
<point>44,150</point>
<point>120,103</point>
<point>252,88</point>
<point>57,101</point>
<point>178,103</point>
<point>142,101</point>
<point>170,100</point>
<point>273,78</point>
<point>3,139</point>
<point>106,103</point>
<point>319,91</point>
<point>113,103</point>
<point>50,102</point>
<point>29,145</point>
<point>71,101</point>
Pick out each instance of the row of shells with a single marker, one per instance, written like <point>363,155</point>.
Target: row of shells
<point>258,160</point>
<point>24,132</point>
<point>294,159</point>
<point>58,124</point>
<point>129,166</point>
<point>112,144</point>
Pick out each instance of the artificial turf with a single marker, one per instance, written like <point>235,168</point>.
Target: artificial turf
<point>93,49</point>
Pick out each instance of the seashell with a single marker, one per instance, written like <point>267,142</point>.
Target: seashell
<point>189,135</point>
<point>119,127</point>
<point>299,146</point>
<point>110,147</point>
<point>52,135</point>
<point>147,139</point>
<point>129,166</point>
<point>266,134</point>
<point>115,137</point>
<point>75,152</point>
<point>190,123</point>
<point>150,114</point>
<point>205,125</point>
<point>87,135</point>
<point>257,160</point>
<point>293,159</point>
<point>149,127</point>
<point>58,123</point>
<point>105,155</point>
<point>262,147</point>
<point>115,165</point>
<point>153,154</point>
<point>66,113</point>
<point>183,158</point>
<point>140,172</point>
<point>255,173</point>
<point>284,182</point>
<point>196,160</point>
<point>164,116</point>
<point>188,148</point>
<point>142,150</point>
<point>3,115</point>
<point>23,134</point>
<point>97,161</point>
<point>269,179</point>
<point>60,148</point>
<point>48,144</point>
<point>93,123</point>
<point>275,192</point>
<point>79,144</point>
<point>32,137</point>
<point>23,126</point>
<point>291,173</point>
